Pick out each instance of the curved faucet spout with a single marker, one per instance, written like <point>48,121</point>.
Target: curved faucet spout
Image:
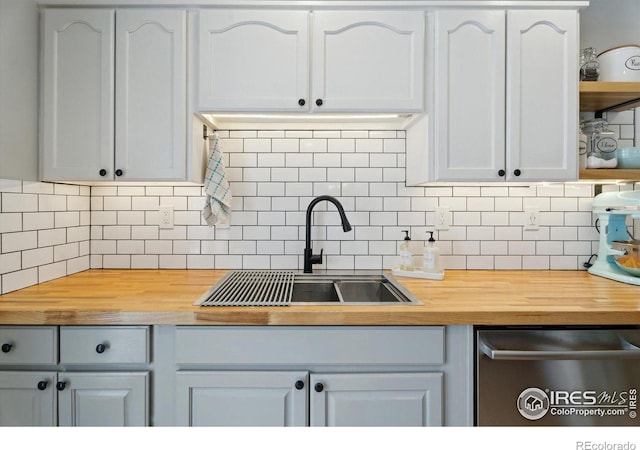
<point>309,257</point>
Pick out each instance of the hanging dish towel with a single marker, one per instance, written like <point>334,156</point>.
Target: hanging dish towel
<point>217,206</point>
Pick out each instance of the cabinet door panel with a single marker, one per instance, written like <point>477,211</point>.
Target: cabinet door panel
<point>376,399</point>
<point>151,90</point>
<point>23,404</point>
<point>469,88</point>
<point>77,94</point>
<point>104,399</point>
<point>368,61</point>
<point>542,95</point>
<point>241,399</point>
<point>253,60</point>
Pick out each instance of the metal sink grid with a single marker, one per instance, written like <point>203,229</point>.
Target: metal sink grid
<point>251,288</point>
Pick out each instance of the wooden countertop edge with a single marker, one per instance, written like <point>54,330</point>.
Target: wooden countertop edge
<point>315,318</point>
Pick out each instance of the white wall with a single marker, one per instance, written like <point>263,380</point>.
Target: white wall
<point>19,89</point>
<point>610,23</point>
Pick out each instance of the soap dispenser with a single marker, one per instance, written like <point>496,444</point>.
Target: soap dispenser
<point>431,256</point>
<point>406,255</point>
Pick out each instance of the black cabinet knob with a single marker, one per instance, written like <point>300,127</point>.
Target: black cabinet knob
<point>103,172</point>
<point>299,384</point>
<point>319,102</point>
<point>100,348</point>
<point>42,385</point>
<point>60,385</point>
<point>319,387</point>
<point>6,348</point>
<point>517,172</point>
<point>119,172</point>
<point>501,173</point>
<point>301,102</point>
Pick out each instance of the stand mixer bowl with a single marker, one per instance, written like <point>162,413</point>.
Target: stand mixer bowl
<point>630,260</point>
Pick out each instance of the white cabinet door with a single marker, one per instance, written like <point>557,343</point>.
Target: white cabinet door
<point>97,399</point>
<point>150,100</point>
<point>368,61</point>
<point>376,399</point>
<point>251,398</point>
<point>27,399</point>
<point>542,95</point>
<point>253,60</point>
<point>469,78</point>
<point>77,94</point>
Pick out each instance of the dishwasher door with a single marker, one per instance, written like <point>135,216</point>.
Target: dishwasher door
<point>557,377</point>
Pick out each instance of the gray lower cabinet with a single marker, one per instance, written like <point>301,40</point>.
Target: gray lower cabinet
<point>27,399</point>
<point>98,377</point>
<point>309,376</point>
<point>283,398</point>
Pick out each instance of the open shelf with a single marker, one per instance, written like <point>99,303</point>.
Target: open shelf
<point>609,95</point>
<point>629,175</point>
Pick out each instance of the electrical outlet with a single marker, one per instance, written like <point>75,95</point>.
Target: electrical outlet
<point>443,219</point>
<point>165,216</point>
<point>531,218</point>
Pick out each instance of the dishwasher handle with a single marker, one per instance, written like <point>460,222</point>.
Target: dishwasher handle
<point>497,354</point>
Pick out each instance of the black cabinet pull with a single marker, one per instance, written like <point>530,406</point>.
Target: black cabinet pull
<point>119,172</point>
<point>319,387</point>
<point>301,102</point>
<point>517,172</point>
<point>103,172</point>
<point>42,385</point>
<point>6,348</point>
<point>299,384</point>
<point>501,172</point>
<point>100,348</point>
<point>60,385</point>
<point>319,102</point>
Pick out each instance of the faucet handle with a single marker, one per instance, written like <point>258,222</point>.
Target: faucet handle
<point>317,259</point>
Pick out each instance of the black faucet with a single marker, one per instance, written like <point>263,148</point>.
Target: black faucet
<point>309,257</point>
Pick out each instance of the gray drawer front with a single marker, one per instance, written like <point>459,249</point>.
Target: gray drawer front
<point>29,345</point>
<point>122,345</point>
<point>310,345</point>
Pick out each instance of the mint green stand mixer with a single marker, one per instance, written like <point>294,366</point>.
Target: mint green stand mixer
<point>613,209</point>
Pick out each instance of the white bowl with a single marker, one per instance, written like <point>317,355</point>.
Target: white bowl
<point>620,64</point>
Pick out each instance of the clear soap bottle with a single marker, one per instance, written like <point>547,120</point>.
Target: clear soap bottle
<point>406,255</point>
<point>431,256</point>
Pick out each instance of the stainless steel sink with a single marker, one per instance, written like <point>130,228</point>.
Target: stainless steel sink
<point>349,289</point>
<point>282,288</point>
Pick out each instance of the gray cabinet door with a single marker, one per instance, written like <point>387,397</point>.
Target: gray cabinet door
<point>98,399</point>
<point>376,399</point>
<point>235,398</point>
<point>25,402</point>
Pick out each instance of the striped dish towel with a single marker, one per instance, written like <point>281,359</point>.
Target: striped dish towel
<point>217,206</point>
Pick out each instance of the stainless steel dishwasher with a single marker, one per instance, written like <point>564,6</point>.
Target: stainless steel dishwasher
<point>557,376</point>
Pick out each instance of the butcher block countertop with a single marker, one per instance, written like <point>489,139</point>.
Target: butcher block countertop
<point>156,297</point>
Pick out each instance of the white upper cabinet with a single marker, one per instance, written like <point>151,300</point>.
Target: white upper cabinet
<point>142,52</point>
<point>470,94</point>
<point>503,91</point>
<point>77,94</point>
<point>368,61</point>
<point>361,61</point>
<point>253,60</point>
<point>151,112</point>
<point>542,95</point>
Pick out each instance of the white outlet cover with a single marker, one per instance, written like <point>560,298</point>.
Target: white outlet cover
<point>165,216</point>
<point>531,218</point>
<point>442,220</point>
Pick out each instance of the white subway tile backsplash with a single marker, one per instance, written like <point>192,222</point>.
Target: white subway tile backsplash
<point>51,230</point>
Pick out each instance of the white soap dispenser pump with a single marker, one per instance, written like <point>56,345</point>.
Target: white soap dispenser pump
<point>406,255</point>
<point>431,256</point>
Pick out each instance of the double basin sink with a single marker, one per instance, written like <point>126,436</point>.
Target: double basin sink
<point>282,288</point>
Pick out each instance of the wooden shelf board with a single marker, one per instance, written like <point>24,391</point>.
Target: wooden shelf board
<point>610,174</point>
<point>598,95</point>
